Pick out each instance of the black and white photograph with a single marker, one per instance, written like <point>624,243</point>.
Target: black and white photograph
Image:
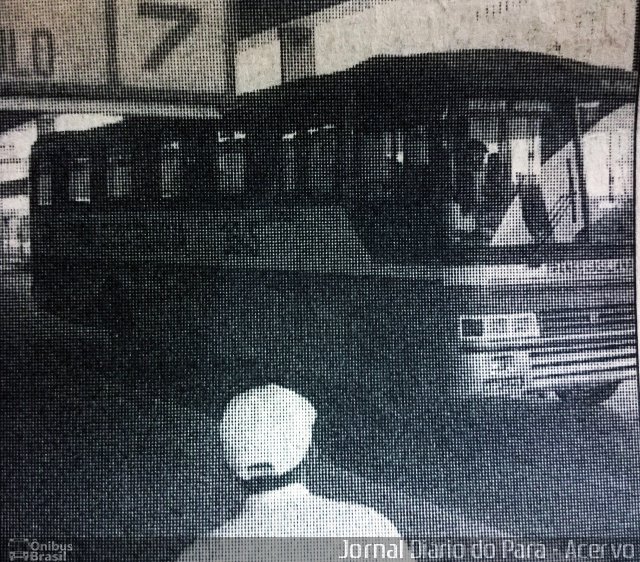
<point>307,280</point>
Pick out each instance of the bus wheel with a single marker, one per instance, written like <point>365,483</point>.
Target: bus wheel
<point>588,395</point>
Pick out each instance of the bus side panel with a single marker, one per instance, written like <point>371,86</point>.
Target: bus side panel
<point>357,336</point>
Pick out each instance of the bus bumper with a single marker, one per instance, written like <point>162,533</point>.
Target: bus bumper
<point>541,369</point>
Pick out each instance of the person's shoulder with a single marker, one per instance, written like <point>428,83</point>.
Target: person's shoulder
<point>215,545</point>
<point>362,520</point>
<point>199,551</point>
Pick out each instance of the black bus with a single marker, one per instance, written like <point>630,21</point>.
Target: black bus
<point>452,221</point>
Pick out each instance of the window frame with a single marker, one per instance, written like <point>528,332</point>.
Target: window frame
<point>42,164</point>
<point>71,163</point>
<point>112,158</point>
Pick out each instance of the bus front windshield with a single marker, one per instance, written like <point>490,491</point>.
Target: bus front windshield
<point>513,174</point>
<point>533,176</point>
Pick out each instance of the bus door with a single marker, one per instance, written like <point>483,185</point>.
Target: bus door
<point>393,192</point>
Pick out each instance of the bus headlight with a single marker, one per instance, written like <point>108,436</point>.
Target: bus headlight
<point>498,326</point>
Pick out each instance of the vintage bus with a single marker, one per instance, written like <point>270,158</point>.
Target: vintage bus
<point>446,222</point>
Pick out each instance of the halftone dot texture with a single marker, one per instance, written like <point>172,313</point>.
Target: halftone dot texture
<point>383,240</point>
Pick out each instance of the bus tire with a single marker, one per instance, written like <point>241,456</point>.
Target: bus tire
<point>588,395</point>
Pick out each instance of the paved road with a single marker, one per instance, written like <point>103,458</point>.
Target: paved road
<point>88,451</point>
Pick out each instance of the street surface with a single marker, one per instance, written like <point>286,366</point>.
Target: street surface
<point>89,451</point>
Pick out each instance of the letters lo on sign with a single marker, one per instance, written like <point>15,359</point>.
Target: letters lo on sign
<point>53,42</point>
<point>156,44</point>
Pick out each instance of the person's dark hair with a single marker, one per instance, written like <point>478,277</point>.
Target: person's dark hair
<point>261,484</point>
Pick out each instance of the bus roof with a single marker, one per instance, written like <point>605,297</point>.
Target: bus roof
<point>408,82</point>
<point>129,131</point>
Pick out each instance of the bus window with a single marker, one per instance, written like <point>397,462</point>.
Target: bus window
<point>43,185</point>
<point>289,163</point>
<point>321,165</point>
<point>421,168</point>
<point>497,196</point>
<point>378,157</point>
<point>518,178</point>
<point>416,147</point>
<point>307,163</point>
<point>536,198</point>
<point>119,183</point>
<point>398,166</point>
<point>80,181</point>
<point>608,164</point>
<point>232,165</point>
<point>171,168</point>
<point>525,147</point>
<point>470,164</point>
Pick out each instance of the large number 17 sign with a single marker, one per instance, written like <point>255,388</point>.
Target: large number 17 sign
<point>185,18</point>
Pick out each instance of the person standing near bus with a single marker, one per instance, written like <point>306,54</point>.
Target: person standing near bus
<point>266,434</point>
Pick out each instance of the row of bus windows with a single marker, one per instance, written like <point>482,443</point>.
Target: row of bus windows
<point>384,164</point>
<point>119,179</point>
<point>301,162</point>
<point>304,162</point>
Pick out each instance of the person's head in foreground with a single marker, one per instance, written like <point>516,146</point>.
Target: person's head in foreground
<point>266,434</point>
